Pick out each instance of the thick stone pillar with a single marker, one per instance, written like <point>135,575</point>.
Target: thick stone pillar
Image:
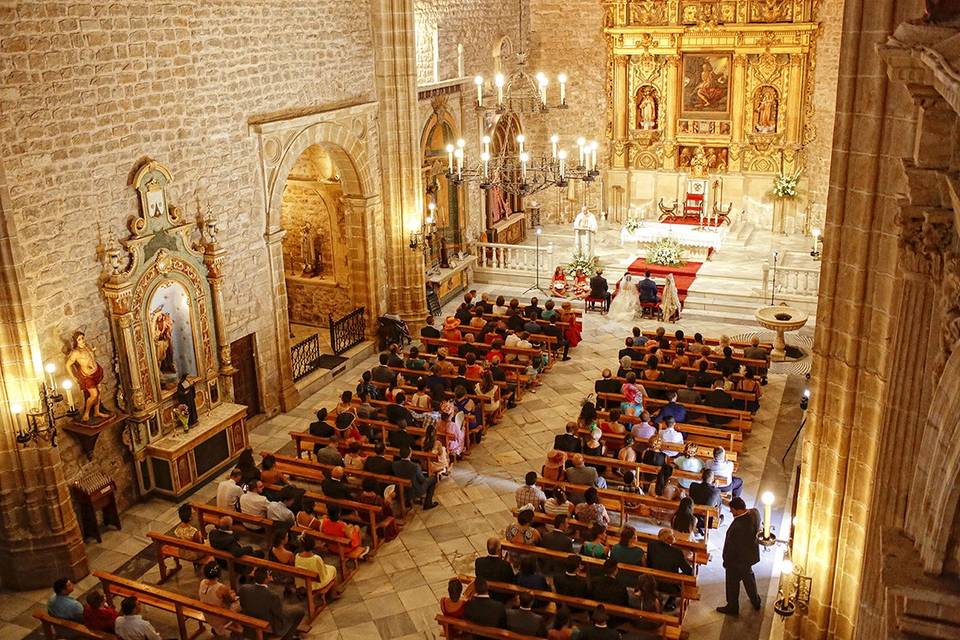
<point>859,288</point>
<point>289,396</point>
<point>395,72</point>
<point>39,537</point>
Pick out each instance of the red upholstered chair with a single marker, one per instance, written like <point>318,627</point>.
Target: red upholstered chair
<point>594,304</point>
<point>651,309</point>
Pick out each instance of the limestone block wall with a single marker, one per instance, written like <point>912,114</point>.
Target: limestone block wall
<point>311,300</point>
<point>90,88</point>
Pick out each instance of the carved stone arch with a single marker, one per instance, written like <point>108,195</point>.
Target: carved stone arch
<point>933,499</point>
<point>502,49</point>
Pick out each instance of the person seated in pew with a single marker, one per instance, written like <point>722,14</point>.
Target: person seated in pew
<point>396,412</point>
<point>718,398</point>
<point>494,568</point>
<point>249,471</point>
<point>421,398</point>
<point>629,350</point>
<point>280,511</point>
<point>627,453</point>
<point>705,493</point>
<point>463,403</point>
<point>473,370</point>
<point>332,524</point>
<point>593,446</point>
<point>446,368</point>
<point>704,378</point>
<point>723,468</point>
<point>674,374</point>
<point>749,384</point>
<point>599,628</point>
<point>557,503</point>
<point>229,491</point>
<point>333,486</point>
<point>644,598</point>
<point>469,346</point>
<point>415,362</point>
<point>523,620</point>
<point>591,510</point>
<point>307,516</point>
<point>353,460</point>
<point>572,582</point>
<point>568,441</point>
<point>530,493</point>
<point>430,331</point>
<point>522,531</point>
<point>643,430</point>
<point>607,384</point>
<point>553,330</point>
<point>654,455</point>
<point>595,543</point>
<point>439,465</point>
<point>259,601</point>
<point>484,610</point>
<point>663,555</point>
<point>436,383</point>
<point>630,484</point>
<point>461,380</point>
<point>495,350</point>
<point>624,550</point>
<point>476,320</point>
<point>63,605</point>
<point>423,485</point>
<point>579,473</point>
<point>382,373</point>
<point>688,461</point>
<point>670,435</point>
<point>453,605</point>
<point>608,588</point>
<point>453,424</point>
<point>346,431</point>
<point>558,538</point>
<point>515,321</point>
<point>394,356</point>
<point>378,463</point>
<point>531,325</point>
<point>562,627</point>
<point>684,522</point>
<point>613,424</point>
<point>366,385</point>
<point>253,502</point>
<point>130,624</point>
<point>754,352</point>
<point>672,409</point>
<point>689,395</point>
<point>328,453</point>
<point>213,592</point>
<point>728,365</point>
<point>530,576</point>
<point>696,347</point>
<point>500,307</point>
<point>223,538</point>
<point>633,395</point>
<point>321,428</point>
<point>279,548</point>
<point>186,531</point>
<point>372,494</point>
<point>651,371</point>
<point>399,438</point>
<point>97,614</point>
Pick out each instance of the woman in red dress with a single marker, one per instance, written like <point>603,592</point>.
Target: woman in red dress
<point>574,330</point>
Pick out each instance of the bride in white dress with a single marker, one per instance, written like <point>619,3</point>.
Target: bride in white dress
<point>625,307</point>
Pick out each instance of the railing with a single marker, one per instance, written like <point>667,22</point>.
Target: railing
<point>305,357</point>
<point>348,331</point>
<point>514,257</point>
<point>798,282</point>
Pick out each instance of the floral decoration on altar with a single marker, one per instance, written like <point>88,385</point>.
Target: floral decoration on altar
<point>583,263</point>
<point>633,224</point>
<point>667,252</point>
<point>786,186</point>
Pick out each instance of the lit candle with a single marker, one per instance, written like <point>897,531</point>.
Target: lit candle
<point>520,140</point>
<point>68,391</point>
<point>562,78</point>
<point>450,157</point>
<point>486,144</point>
<point>554,140</point>
<point>498,81</point>
<point>581,142</point>
<point>593,155</point>
<point>459,156</point>
<point>767,500</point>
<point>542,84</point>
<point>485,157</point>
<point>524,159</point>
<point>562,155</point>
<point>50,368</point>
<point>16,409</point>
<point>479,82</point>
<point>816,237</point>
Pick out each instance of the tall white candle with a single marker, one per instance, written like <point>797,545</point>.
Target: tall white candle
<point>524,158</point>
<point>498,81</point>
<point>485,157</point>
<point>562,78</point>
<point>520,140</point>
<point>554,140</point>
<point>562,155</point>
<point>479,82</point>
<point>68,392</point>
<point>450,157</point>
<point>767,500</point>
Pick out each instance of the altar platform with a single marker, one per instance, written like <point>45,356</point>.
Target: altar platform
<point>698,243</point>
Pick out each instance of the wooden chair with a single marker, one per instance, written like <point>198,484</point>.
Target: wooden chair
<point>591,304</point>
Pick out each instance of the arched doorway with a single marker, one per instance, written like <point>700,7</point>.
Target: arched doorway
<point>499,205</point>
<point>444,237</point>
<point>327,155</point>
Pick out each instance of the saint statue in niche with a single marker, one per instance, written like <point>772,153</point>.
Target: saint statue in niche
<point>83,366</point>
<point>766,104</point>
<point>647,108</point>
<point>162,323</point>
<point>312,256</point>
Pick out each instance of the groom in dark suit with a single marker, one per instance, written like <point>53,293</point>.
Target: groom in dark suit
<point>600,290</point>
<point>740,552</point>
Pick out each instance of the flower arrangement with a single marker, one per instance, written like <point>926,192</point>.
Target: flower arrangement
<point>665,252</point>
<point>182,414</point>
<point>786,186</point>
<point>633,224</point>
<point>582,262</point>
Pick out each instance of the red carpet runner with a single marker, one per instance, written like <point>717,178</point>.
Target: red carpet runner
<point>683,275</point>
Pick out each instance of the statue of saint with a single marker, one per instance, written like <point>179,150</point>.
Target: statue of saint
<point>163,340</point>
<point>647,110</point>
<point>82,365</point>
<point>765,111</point>
<point>699,163</point>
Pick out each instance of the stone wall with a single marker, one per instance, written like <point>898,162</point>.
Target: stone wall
<point>310,300</point>
<point>824,103</point>
<point>90,89</point>
<point>304,205</point>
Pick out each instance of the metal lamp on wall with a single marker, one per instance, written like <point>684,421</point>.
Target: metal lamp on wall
<point>41,421</point>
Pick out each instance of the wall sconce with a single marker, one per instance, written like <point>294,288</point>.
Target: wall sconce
<point>41,422</point>
<point>794,592</point>
<point>416,235</point>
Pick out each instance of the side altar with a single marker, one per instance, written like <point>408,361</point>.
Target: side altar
<point>164,288</point>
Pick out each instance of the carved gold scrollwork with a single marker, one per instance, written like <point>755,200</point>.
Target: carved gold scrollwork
<point>770,10</point>
<point>646,68</point>
<point>649,12</point>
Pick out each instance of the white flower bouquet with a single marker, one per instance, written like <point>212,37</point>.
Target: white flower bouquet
<point>582,262</point>
<point>786,186</point>
<point>665,252</point>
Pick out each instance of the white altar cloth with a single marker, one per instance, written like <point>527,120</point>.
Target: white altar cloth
<point>686,235</point>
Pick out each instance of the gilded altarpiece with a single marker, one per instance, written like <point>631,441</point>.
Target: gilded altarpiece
<point>731,76</point>
<point>163,285</point>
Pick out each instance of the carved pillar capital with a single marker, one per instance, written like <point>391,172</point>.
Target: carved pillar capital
<point>924,237</point>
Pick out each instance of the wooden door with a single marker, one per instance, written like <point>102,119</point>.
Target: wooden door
<point>246,389</point>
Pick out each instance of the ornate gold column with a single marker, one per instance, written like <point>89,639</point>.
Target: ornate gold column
<point>395,72</point>
<point>620,111</point>
<point>673,113</point>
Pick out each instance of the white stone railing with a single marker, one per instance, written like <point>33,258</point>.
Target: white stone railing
<point>801,282</point>
<point>513,258</point>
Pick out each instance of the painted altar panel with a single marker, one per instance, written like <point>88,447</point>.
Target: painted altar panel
<point>705,86</point>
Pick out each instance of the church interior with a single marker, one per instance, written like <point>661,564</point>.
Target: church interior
<point>505,319</point>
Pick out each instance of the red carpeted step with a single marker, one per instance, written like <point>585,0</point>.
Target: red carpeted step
<point>683,275</point>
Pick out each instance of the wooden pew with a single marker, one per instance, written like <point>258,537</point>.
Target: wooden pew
<point>539,321</point>
<point>166,547</point>
<point>530,353</point>
<point>736,344</point>
<point>310,470</point>
<point>183,607</point>
<point>51,625</point>
<point>701,434</point>
<point>410,374</point>
<point>460,628</point>
<point>211,514</point>
<point>704,451</point>
<point>669,386</point>
<point>687,584</point>
<point>697,548</point>
<point>669,624</point>
<point>639,467</point>
<point>740,420</point>
<point>302,437</point>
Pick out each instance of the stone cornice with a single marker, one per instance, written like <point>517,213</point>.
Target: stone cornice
<point>926,55</point>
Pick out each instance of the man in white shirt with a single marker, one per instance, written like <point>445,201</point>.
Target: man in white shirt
<point>229,491</point>
<point>253,502</point>
<point>130,625</point>
<point>723,468</point>
<point>643,430</point>
<point>671,435</point>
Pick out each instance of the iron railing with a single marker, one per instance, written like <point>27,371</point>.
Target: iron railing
<point>305,357</point>
<point>348,331</point>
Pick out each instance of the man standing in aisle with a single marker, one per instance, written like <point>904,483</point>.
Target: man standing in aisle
<point>740,552</point>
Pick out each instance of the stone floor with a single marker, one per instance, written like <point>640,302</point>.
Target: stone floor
<point>395,594</point>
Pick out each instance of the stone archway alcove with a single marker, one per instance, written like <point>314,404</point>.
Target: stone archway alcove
<point>343,136</point>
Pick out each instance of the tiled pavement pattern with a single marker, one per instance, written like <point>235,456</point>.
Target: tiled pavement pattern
<point>395,594</point>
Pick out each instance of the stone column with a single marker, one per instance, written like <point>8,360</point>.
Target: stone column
<point>214,258</point>
<point>855,323</point>
<point>369,290</point>
<point>289,396</point>
<point>395,72</point>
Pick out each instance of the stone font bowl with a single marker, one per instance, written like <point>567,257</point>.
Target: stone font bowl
<point>779,317</point>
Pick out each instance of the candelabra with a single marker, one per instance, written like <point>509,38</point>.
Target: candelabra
<point>795,594</point>
<point>41,421</point>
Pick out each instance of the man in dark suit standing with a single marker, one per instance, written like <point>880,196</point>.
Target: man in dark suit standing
<point>423,485</point>
<point>600,290</point>
<point>493,567</point>
<point>484,610</point>
<point>430,331</point>
<point>740,552</point>
<point>260,601</point>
